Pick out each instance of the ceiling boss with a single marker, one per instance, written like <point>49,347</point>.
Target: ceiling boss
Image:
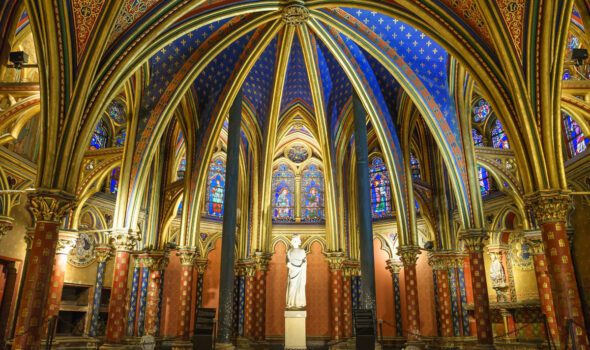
<point>295,13</point>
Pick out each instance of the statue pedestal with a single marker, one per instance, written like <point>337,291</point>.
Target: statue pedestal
<point>295,329</point>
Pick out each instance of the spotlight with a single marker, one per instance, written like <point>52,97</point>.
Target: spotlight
<point>18,58</point>
<point>579,55</point>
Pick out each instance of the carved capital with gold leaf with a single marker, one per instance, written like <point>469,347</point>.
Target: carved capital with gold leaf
<point>103,252</point>
<point>474,240</point>
<point>351,268</point>
<point>549,206</point>
<point>50,206</point>
<point>5,225</point>
<point>246,267</point>
<point>125,240</point>
<point>408,254</point>
<point>439,260</point>
<point>335,260</point>
<point>200,265</point>
<point>295,13</point>
<point>66,242</point>
<point>535,240</point>
<point>394,266</point>
<point>262,260</point>
<point>187,256</point>
<point>154,260</point>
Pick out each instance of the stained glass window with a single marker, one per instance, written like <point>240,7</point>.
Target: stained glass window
<point>312,195</point>
<point>415,167</point>
<point>484,181</point>
<point>114,184</point>
<point>575,139</point>
<point>481,110</point>
<point>380,189</point>
<point>477,137</point>
<point>116,111</point>
<point>499,138</point>
<point>215,188</point>
<point>100,136</point>
<point>283,184</point>
<point>181,168</point>
<point>120,138</point>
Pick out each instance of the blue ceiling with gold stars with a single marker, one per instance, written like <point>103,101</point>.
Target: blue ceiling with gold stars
<point>296,89</point>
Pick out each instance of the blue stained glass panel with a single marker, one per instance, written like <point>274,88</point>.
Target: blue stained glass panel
<point>576,141</point>
<point>215,188</point>
<point>477,137</point>
<point>114,184</point>
<point>283,182</point>
<point>415,167</point>
<point>481,110</point>
<point>116,111</point>
<point>100,136</point>
<point>120,139</point>
<point>484,181</point>
<point>380,189</point>
<point>312,189</point>
<point>499,138</point>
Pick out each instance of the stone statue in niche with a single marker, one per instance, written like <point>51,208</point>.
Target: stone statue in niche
<point>497,273</point>
<point>297,275</point>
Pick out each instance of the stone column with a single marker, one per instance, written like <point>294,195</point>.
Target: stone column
<point>348,271</point>
<point>48,208</point>
<point>228,237</point>
<point>335,261</point>
<point>544,284</point>
<point>102,253</point>
<point>187,262</point>
<point>124,243</point>
<point>409,257</point>
<point>250,272</point>
<point>155,262</point>
<point>365,220</point>
<point>65,243</point>
<point>259,297</point>
<point>201,267</point>
<point>474,244</point>
<point>440,266</point>
<point>132,313</point>
<point>394,268</point>
<point>550,209</point>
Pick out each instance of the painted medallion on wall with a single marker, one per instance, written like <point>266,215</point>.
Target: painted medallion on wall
<point>83,252</point>
<point>521,252</point>
<point>298,153</point>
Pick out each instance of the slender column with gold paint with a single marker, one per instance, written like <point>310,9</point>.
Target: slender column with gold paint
<point>156,262</point>
<point>335,261</point>
<point>259,305</point>
<point>187,262</point>
<point>474,244</point>
<point>409,257</point>
<point>550,210</point>
<point>49,208</point>
<point>395,268</point>
<point>440,266</point>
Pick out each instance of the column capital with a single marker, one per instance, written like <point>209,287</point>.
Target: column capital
<point>187,256</point>
<point>394,266</point>
<point>535,239</point>
<point>50,205</point>
<point>246,267</point>
<point>474,239</point>
<point>66,241</point>
<point>125,239</point>
<point>154,260</point>
<point>497,248</point>
<point>103,252</point>
<point>439,260</point>
<point>549,206</point>
<point>409,254</point>
<point>335,260</point>
<point>200,264</point>
<point>5,225</point>
<point>351,268</point>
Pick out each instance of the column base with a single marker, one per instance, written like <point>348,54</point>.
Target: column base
<point>485,347</point>
<point>224,346</point>
<point>243,343</point>
<point>414,345</point>
<point>114,346</point>
<point>181,344</point>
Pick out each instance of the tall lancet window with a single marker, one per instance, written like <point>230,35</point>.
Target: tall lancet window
<point>215,188</point>
<point>380,189</point>
<point>312,194</point>
<point>283,200</point>
<point>100,136</point>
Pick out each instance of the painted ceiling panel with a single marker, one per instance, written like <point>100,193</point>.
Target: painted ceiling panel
<point>259,84</point>
<point>296,89</point>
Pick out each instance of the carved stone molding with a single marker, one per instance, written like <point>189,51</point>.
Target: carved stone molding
<point>474,240</point>
<point>187,256</point>
<point>549,206</point>
<point>262,260</point>
<point>246,267</point>
<point>409,254</point>
<point>50,206</point>
<point>103,252</point>
<point>351,268</point>
<point>5,225</point>
<point>439,260</point>
<point>295,13</point>
<point>200,265</point>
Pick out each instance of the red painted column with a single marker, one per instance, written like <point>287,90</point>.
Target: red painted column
<point>156,262</point>
<point>544,283</point>
<point>440,263</point>
<point>409,257</point>
<point>48,208</point>
<point>187,263</point>
<point>474,244</point>
<point>347,272</point>
<point>65,244</point>
<point>335,261</point>
<point>550,209</point>
<point>124,243</point>
<point>250,303</point>
<point>259,312</point>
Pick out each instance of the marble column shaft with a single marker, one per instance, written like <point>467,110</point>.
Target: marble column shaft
<point>48,208</point>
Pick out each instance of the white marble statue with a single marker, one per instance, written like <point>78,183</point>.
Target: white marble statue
<point>297,266</point>
<point>497,274</point>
